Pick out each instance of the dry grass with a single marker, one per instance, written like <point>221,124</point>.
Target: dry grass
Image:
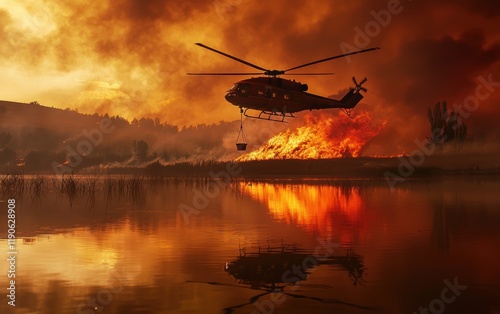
<point>135,185</point>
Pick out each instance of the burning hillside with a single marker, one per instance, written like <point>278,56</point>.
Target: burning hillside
<point>321,137</point>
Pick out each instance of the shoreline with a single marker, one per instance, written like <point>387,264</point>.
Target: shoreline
<point>354,167</point>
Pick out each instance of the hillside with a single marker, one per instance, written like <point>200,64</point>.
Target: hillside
<point>34,137</point>
<point>35,115</point>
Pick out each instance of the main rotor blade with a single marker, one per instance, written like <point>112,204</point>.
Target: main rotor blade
<point>231,73</point>
<point>308,73</point>
<point>331,58</point>
<point>231,57</point>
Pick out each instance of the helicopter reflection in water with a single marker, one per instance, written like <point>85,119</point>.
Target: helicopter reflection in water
<point>274,269</point>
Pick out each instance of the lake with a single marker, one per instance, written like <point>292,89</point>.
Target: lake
<point>268,246</point>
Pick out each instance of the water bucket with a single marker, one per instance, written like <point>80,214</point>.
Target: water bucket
<point>241,146</point>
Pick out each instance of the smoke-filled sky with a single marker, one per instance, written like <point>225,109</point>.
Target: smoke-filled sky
<point>130,57</point>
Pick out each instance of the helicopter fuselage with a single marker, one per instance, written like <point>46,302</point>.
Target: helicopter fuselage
<point>274,94</point>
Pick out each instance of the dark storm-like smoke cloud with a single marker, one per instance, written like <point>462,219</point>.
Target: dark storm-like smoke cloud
<point>149,45</point>
<point>437,69</point>
<point>432,70</point>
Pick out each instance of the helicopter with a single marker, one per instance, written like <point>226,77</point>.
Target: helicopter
<point>276,99</point>
<point>274,96</point>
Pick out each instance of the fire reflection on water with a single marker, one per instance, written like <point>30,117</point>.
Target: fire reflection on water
<point>317,208</point>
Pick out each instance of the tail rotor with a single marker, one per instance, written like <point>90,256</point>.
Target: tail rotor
<point>358,86</point>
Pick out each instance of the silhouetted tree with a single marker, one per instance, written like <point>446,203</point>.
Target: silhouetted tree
<point>119,121</point>
<point>147,123</point>
<point>446,127</point>
<point>140,150</point>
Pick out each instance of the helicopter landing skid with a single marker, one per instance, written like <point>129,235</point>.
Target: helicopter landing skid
<point>269,115</point>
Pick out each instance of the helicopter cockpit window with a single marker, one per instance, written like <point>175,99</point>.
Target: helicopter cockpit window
<point>244,89</point>
<point>233,87</point>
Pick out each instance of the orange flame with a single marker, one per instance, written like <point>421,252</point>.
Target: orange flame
<point>320,138</point>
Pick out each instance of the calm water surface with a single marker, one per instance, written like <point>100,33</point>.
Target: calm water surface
<point>269,247</point>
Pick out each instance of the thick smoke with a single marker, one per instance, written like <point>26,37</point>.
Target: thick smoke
<point>130,57</point>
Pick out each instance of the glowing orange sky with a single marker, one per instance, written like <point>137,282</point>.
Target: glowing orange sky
<point>129,57</point>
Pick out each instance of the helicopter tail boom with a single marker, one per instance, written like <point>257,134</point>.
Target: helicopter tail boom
<point>351,99</point>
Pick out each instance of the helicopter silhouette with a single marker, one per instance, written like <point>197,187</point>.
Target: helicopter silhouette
<point>276,98</point>
<point>275,269</point>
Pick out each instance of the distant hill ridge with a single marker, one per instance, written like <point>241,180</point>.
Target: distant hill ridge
<point>16,114</point>
<point>33,137</point>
